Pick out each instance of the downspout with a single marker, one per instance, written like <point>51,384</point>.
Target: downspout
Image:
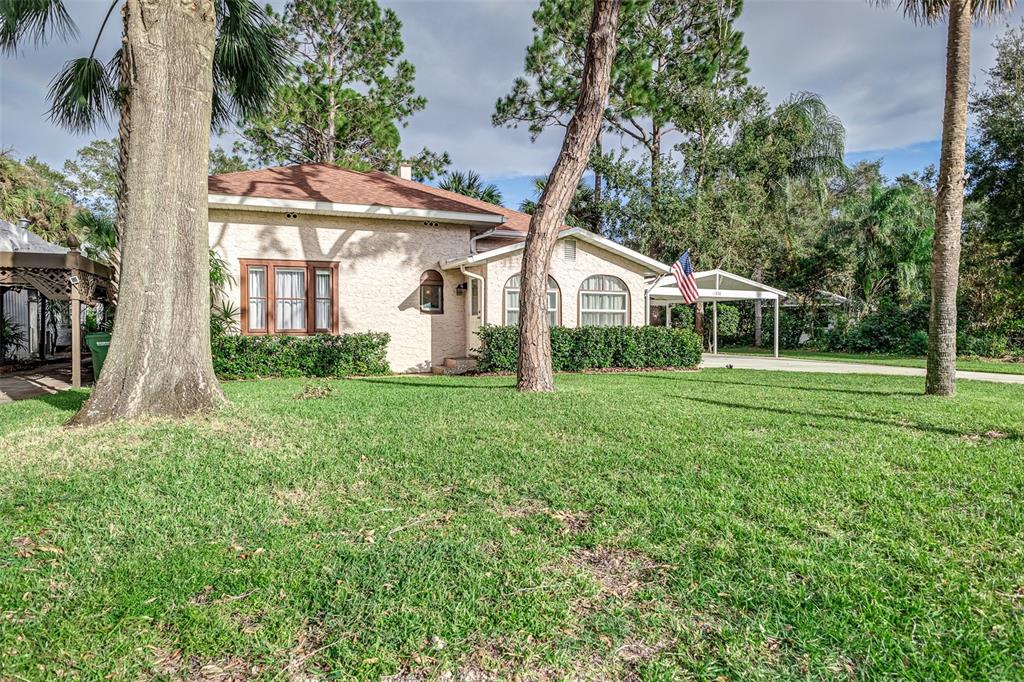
<point>473,241</point>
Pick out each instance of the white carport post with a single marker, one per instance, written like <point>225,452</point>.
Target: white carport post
<point>775,333</point>
<point>714,327</point>
<point>714,315</point>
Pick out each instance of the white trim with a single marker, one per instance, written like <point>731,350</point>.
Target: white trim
<point>353,210</point>
<point>665,289</point>
<point>578,232</point>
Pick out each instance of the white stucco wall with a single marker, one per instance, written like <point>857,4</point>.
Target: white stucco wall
<point>590,260</point>
<point>380,263</point>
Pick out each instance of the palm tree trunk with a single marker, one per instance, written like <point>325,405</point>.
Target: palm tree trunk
<point>159,362</point>
<point>758,275</point>
<point>949,205</point>
<point>123,130</point>
<point>535,372</point>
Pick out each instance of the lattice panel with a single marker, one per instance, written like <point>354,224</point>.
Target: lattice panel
<point>54,284</point>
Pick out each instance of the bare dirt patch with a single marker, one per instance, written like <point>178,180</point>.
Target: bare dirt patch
<point>987,436</point>
<point>230,669</point>
<point>619,573</point>
<point>635,651</point>
<point>572,522</point>
<point>315,390</point>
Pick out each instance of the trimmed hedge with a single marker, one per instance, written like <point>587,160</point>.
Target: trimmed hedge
<point>581,348</point>
<point>323,355</point>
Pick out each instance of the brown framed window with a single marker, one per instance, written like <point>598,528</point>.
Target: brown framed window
<point>323,299</point>
<point>432,292</point>
<point>289,297</point>
<point>257,299</point>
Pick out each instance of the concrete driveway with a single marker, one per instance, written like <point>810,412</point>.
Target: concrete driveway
<point>785,364</point>
<point>44,380</point>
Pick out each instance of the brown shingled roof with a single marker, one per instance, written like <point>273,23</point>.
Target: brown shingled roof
<point>327,182</point>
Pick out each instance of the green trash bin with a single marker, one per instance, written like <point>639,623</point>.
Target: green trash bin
<point>98,345</point>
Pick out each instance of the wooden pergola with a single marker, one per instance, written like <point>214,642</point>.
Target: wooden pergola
<point>56,272</point>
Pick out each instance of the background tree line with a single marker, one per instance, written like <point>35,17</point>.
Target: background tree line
<point>705,163</point>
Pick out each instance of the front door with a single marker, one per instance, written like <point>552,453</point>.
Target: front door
<point>474,316</point>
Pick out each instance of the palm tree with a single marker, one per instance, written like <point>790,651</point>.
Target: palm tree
<point>182,68</point>
<point>807,146</point>
<point>888,234</point>
<point>949,205</point>
<point>583,211</point>
<point>469,184</point>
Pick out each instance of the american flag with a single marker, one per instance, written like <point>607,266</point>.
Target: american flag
<point>682,270</point>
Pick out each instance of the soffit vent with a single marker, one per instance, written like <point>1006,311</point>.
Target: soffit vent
<point>569,249</point>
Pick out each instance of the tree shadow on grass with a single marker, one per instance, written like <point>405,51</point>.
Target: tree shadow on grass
<point>753,384</point>
<point>432,383</point>
<point>67,401</point>
<point>860,419</point>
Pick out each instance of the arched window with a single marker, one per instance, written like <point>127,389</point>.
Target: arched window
<point>431,292</point>
<point>604,302</point>
<point>512,300</point>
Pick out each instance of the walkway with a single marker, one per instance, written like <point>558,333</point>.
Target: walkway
<point>833,367</point>
<point>43,380</point>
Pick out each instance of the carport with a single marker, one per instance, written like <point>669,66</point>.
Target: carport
<point>714,286</point>
<point>58,273</point>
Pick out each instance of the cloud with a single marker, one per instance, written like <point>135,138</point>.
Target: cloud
<point>875,69</point>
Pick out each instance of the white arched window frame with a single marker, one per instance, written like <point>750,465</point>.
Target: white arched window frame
<point>604,302</point>
<point>512,300</point>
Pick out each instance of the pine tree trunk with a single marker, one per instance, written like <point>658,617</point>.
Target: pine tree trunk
<point>597,187</point>
<point>535,373</point>
<point>949,205</point>
<point>159,362</point>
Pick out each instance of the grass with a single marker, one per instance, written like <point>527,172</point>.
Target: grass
<point>972,364</point>
<point>712,525</point>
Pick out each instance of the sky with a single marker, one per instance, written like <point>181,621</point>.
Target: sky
<point>879,72</point>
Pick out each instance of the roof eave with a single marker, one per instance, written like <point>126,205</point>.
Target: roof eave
<point>584,235</point>
<point>245,203</point>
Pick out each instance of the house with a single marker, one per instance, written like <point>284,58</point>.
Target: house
<point>314,248</point>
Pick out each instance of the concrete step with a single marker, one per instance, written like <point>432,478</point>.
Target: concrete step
<point>462,364</point>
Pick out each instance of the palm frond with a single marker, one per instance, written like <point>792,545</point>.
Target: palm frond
<point>33,20</point>
<point>81,95</point>
<point>931,11</point>
<point>248,62</point>
<point>824,143</point>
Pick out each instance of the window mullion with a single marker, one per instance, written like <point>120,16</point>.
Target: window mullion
<point>271,299</point>
<point>310,299</point>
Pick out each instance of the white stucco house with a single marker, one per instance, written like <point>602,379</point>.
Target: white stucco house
<point>315,248</point>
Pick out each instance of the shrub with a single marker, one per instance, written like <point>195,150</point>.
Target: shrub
<point>988,345</point>
<point>728,322</point>
<point>917,344</point>
<point>323,355</point>
<point>889,329</point>
<point>682,316</point>
<point>792,324</point>
<point>583,348</point>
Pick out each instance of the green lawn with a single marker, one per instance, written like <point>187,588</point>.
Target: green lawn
<point>970,364</point>
<point>714,524</point>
